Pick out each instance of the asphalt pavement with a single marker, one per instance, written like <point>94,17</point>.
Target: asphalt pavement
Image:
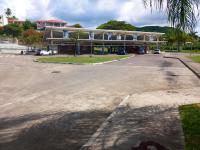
<point>60,106</point>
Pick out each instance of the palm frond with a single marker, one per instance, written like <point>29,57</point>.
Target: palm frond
<point>182,14</point>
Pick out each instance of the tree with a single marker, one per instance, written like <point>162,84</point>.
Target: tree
<point>8,12</point>
<point>77,26</point>
<point>29,25</point>
<point>194,35</point>
<point>1,30</point>
<point>170,36</point>
<point>14,17</point>
<point>154,29</point>
<point>13,30</point>
<point>181,13</point>
<point>74,37</point>
<point>117,25</point>
<point>32,37</point>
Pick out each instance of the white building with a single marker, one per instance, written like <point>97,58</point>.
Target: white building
<point>3,20</point>
<point>115,41</point>
<point>41,24</point>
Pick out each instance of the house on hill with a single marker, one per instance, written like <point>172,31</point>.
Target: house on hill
<point>41,24</point>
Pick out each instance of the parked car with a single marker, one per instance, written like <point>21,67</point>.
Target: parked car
<point>41,52</point>
<point>156,51</point>
<point>141,50</point>
<point>122,52</point>
<point>28,52</point>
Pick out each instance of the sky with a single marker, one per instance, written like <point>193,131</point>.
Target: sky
<point>88,13</point>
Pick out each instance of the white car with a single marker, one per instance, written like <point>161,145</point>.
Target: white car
<point>43,52</point>
<point>156,51</point>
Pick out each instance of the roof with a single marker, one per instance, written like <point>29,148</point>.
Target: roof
<point>52,21</point>
<point>14,20</point>
<point>102,31</point>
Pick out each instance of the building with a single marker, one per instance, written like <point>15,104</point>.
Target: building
<point>41,24</point>
<point>68,40</point>
<point>15,21</point>
<point>3,20</point>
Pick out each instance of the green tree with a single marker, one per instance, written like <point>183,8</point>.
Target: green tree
<point>1,31</point>
<point>181,13</point>
<point>194,35</point>
<point>13,30</point>
<point>29,25</point>
<point>77,26</point>
<point>8,12</point>
<point>170,36</point>
<point>117,25</point>
<point>74,37</point>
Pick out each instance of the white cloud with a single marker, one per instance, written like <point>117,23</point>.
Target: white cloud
<point>24,9</point>
<point>89,13</point>
<point>107,5</point>
<point>136,13</point>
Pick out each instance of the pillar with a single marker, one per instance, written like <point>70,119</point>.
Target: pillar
<point>51,34</point>
<point>157,42</point>
<point>144,38</point>
<point>91,48</point>
<point>103,47</point>
<point>124,43</point>
<point>78,48</point>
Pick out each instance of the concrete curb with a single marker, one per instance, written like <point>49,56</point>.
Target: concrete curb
<point>93,138</point>
<point>35,60</point>
<point>186,64</point>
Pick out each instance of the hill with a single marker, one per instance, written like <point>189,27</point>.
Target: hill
<point>154,29</point>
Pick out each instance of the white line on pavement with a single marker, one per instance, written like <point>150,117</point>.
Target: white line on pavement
<point>104,124</point>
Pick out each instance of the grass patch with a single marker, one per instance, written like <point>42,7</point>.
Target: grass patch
<point>191,51</point>
<point>184,51</point>
<point>81,59</point>
<point>190,116</point>
<point>195,58</point>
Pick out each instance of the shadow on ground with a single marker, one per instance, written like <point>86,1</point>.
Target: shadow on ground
<point>69,131</point>
<point>136,129</point>
<point>56,131</point>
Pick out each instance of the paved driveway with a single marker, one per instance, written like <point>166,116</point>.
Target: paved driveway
<point>54,106</point>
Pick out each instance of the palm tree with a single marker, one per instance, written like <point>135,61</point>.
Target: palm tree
<point>181,13</point>
<point>8,12</point>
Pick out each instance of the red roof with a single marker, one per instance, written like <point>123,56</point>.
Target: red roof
<point>13,20</point>
<point>52,21</point>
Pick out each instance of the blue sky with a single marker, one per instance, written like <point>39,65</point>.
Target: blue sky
<point>89,13</point>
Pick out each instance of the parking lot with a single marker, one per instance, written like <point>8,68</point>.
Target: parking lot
<point>60,106</point>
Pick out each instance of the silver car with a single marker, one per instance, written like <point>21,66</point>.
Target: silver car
<point>156,51</point>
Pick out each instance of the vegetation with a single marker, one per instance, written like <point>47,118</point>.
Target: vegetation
<point>177,39</point>
<point>154,29</point>
<point>117,25</point>
<point>32,38</point>
<point>77,26</point>
<point>181,13</point>
<point>29,25</point>
<point>13,30</point>
<point>195,58</point>
<point>190,116</point>
<point>81,60</point>
<point>8,12</point>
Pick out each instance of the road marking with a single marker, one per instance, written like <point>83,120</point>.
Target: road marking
<point>4,105</point>
<point>151,67</point>
<point>27,98</point>
<point>105,123</point>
